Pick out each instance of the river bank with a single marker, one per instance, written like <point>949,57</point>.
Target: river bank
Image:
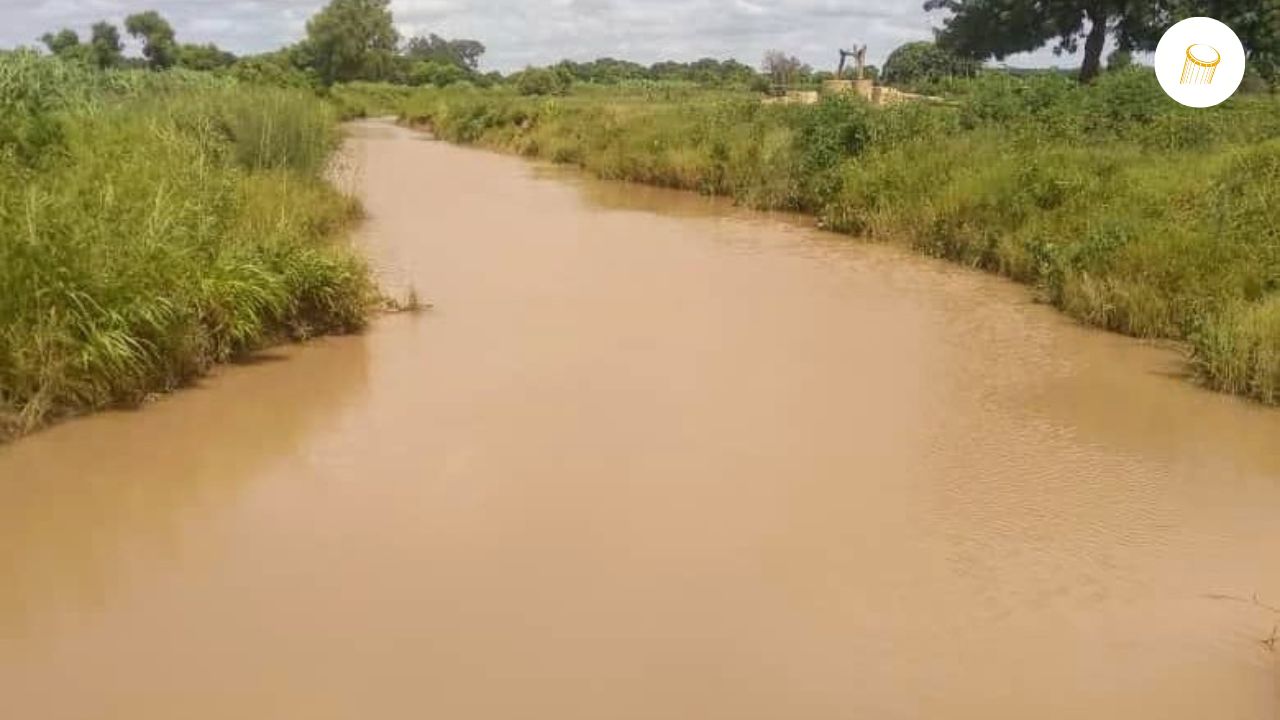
<point>155,224</point>
<point>1124,210</point>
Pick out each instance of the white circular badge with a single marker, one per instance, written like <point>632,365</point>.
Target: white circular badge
<point>1199,62</point>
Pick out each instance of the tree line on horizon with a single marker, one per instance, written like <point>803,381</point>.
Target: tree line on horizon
<point>347,40</point>
<point>356,40</point>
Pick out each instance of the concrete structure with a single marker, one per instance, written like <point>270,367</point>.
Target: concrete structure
<point>869,91</point>
<point>794,97</point>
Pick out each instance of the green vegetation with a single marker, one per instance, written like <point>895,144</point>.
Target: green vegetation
<point>707,72</point>
<point>162,213</point>
<point>542,81</point>
<point>158,44</point>
<point>152,224</point>
<point>918,64</point>
<point>351,40</point>
<point>1128,211</point>
<point>105,48</point>
<point>982,29</point>
<point>160,48</point>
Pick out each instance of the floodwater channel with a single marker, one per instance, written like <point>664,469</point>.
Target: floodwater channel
<point>650,456</point>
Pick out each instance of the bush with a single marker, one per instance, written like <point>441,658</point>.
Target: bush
<point>542,81</point>
<point>167,229</point>
<point>917,64</point>
<point>364,99</point>
<point>437,73</point>
<point>272,72</point>
<point>838,128</point>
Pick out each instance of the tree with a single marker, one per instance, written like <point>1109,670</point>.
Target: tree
<point>1119,59</point>
<point>204,57</point>
<point>105,48</point>
<point>63,43</point>
<point>468,52</point>
<point>982,29</point>
<point>1256,22</point>
<point>440,74</point>
<point>542,81</point>
<point>917,62</point>
<point>433,48</point>
<point>423,48</point>
<point>782,69</point>
<point>278,68</point>
<point>705,71</point>
<point>159,47</point>
<point>733,72</point>
<point>352,40</point>
<point>604,70</point>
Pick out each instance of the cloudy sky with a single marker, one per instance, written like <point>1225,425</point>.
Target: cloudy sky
<point>522,32</point>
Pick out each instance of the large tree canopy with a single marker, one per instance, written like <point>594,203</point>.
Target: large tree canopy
<point>783,69</point>
<point>998,28</point>
<point>433,48</point>
<point>917,62</point>
<point>352,40</point>
<point>204,57</point>
<point>704,71</point>
<point>159,47</point>
<point>105,47</point>
<point>1257,22</point>
<point>984,29</point>
<point>62,43</point>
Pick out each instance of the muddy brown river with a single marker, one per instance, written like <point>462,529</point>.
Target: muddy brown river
<point>650,456</point>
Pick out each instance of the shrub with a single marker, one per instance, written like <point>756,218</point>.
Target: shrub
<point>542,81</point>
<point>174,226</point>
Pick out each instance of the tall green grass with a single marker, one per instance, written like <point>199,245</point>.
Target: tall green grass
<point>1128,211</point>
<point>152,225</point>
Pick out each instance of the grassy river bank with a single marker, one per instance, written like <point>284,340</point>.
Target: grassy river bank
<point>153,224</point>
<point>1126,210</point>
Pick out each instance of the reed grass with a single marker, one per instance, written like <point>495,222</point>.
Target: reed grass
<point>152,226</point>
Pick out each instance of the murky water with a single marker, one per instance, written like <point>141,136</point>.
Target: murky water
<point>650,456</point>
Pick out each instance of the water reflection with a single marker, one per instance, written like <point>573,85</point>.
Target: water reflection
<point>83,501</point>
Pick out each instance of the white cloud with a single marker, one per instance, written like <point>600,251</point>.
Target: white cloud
<point>520,32</point>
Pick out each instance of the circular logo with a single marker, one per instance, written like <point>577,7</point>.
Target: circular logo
<point>1199,62</point>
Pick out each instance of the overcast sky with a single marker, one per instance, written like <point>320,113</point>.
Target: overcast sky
<point>523,32</point>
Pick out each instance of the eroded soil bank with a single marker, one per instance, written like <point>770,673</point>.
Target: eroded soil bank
<point>650,456</point>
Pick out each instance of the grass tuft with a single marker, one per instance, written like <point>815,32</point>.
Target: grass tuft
<point>168,223</point>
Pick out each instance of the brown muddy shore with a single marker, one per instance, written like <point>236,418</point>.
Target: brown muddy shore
<point>650,455</point>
